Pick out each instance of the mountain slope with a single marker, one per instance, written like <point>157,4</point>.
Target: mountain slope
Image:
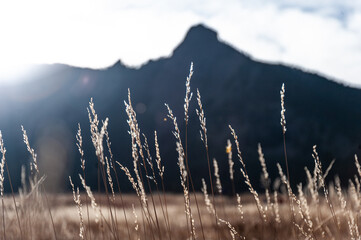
<point>235,90</point>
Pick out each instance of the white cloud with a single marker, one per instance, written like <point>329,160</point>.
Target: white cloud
<point>322,36</point>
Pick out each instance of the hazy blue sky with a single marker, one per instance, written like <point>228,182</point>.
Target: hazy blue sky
<point>320,35</point>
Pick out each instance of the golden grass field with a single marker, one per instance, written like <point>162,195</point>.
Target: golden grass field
<point>36,223</point>
<point>317,210</point>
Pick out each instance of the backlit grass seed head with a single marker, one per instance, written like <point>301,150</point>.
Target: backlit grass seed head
<point>180,149</point>
<point>231,228</point>
<point>79,144</point>
<point>318,166</point>
<point>171,116</point>
<point>157,154</point>
<point>339,193</point>
<point>76,197</point>
<point>149,160</point>
<point>93,117</point>
<point>111,157</point>
<point>262,161</point>
<point>358,184</point>
<point>284,180</point>
<point>283,110</point>
<point>136,226</point>
<point>353,228</point>
<point>237,146</point>
<point>217,176</point>
<point>137,147</point>
<point>182,170</point>
<point>357,165</point>
<point>202,120</point>
<point>230,160</point>
<point>130,178</point>
<point>255,195</point>
<point>311,186</point>
<point>189,94</point>
<point>263,165</point>
<point>304,208</point>
<point>34,164</point>
<point>133,125</point>
<point>240,207</point>
<point>110,179</point>
<point>183,178</point>
<point>2,164</point>
<point>99,146</point>
<point>276,207</point>
<point>143,195</point>
<point>265,176</point>
<point>352,192</point>
<point>207,201</point>
<point>96,135</point>
<point>94,205</point>
<point>302,231</point>
<point>94,122</point>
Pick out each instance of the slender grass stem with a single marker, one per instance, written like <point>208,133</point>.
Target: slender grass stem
<point>190,180</point>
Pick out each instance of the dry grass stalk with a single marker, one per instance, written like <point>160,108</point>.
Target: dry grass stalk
<point>158,158</point>
<point>240,207</point>
<point>304,211</point>
<point>276,208</point>
<point>265,177</point>
<point>161,174</point>
<point>358,167</point>
<point>261,211</point>
<point>187,99</point>
<point>202,120</point>
<point>183,172</point>
<point>308,221</point>
<point>283,125</point>
<point>231,228</point>
<point>153,177</point>
<point>94,205</point>
<point>321,180</point>
<point>204,138</point>
<point>76,197</point>
<point>112,166</point>
<point>34,165</point>
<point>239,154</point>
<point>211,210</point>
<point>97,137</point>
<point>312,187</point>
<point>230,165</point>
<point>149,160</point>
<point>136,226</point>
<point>110,179</point>
<point>138,147</point>
<point>79,144</point>
<point>207,201</point>
<point>2,165</point>
<point>260,208</point>
<point>217,176</point>
<point>283,110</point>
<point>189,94</point>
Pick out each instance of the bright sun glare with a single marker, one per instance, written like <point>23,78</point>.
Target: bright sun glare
<point>12,73</point>
<point>97,33</point>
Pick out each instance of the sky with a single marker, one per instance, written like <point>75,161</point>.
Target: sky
<point>322,36</point>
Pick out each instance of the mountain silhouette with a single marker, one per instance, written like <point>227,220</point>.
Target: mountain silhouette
<point>236,90</point>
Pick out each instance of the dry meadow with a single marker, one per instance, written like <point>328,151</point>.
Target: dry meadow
<point>315,210</point>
